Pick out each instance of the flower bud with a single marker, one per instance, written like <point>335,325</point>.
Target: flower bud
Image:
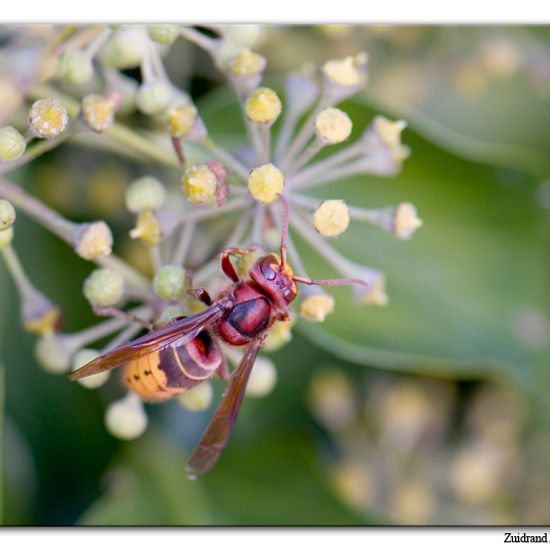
<point>153,98</point>
<point>316,305</point>
<point>343,77</point>
<point>126,418</point>
<point>388,133</point>
<point>52,353</point>
<point>265,183</point>
<point>125,48</point>
<point>244,262</point>
<point>7,214</point>
<point>198,398</point>
<point>184,122</point>
<point>262,378</point>
<point>247,35</point>
<point>163,34</point>
<point>279,335</point>
<point>245,71</point>
<point>39,315</point>
<point>406,221</point>
<point>145,193</point>
<point>99,112</point>
<point>93,240</point>
<point>201,181</point>
<point>169,282</point>
<point>147,228</point>
<point>6,237</point>
<point>333,126</point>
<point>12,144</point>
<point>331,218</point>
<point>48,118</point>
<point>263,106</point>
<point>83,357</point>
<point>75,67</point>
<point>104,287</point>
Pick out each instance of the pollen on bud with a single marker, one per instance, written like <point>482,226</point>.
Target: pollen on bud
<point>12,144</point>
<point>7,214</point>
<point>169,282</point>
<point>145,193</point>
<point>48,118</point>
<point>247,63</point>
<point>98,111</point>
<point>200,183</point>
<point>126,418</point>
<point>83,357</point>
<point>406,221</point>
<point>265,183</point>
<point>279,335</point>
<point>181,119</point>
<point>104,287</point>
<point>75,67</point>
<point>333,126</point>
<point>263,106</point>
<point>147,228</point>
<point>153,98</point>
<point>163,34</point>
<point>262,379</point>
<point>198,398</point>
<point>51,353</point>
<point>94,240</point>
<point>331,218</point>
<point>316,305</point>
<point>344,72</point>
<point>6,237</point>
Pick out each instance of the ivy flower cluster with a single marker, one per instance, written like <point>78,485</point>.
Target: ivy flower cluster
<point>297,141</point>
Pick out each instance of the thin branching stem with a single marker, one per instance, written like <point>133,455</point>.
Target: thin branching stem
<point>226,158</point>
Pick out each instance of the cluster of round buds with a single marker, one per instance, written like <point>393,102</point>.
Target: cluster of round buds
<point>48,118</point>
<point>265,183</point>
<point>12,144</point>
<point>263,106</point>
<point>7,219</point>
<point>83,357</point>
<point>126,418</point>
<point>316,304</point>
<point>169,282</point>
<point>198,398</point>
<point>93,240</point>
<point>153,98</point>
<point>163,34</point>
<point>98,112</point>
<point>202,182</point>
<point>184,122</point>
<point>75,67</point>
<point>343,77</point>
<point>331,218</point>
<point>104,287</point>
<point>333,126</point>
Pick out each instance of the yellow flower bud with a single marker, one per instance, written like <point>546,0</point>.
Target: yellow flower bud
<point>94,240</point>
<point>163,34</point>
<point>406,221</point>
<point>333,125</point>
<point>147,228</point>
<point>98,112</point>
<point>145,193</point>
<point>247,63</point>
<point>316,306</point>
<point>75,67</point>
<point>343,71</point>
<point>126,418</point>
<point>181,120</point>
<point>198,398</point>
<point>104,287</point>
<point>12,144</point>
<point>390,133</point>
<point>279,335</point>
<point>265,183</point>
<point>83,357</point>
<point>331,218</point>
<point>199,183</point>
<point>263,106</point>
<point>262,379</point>
<point>48,118</point>
<point>6,237</point>
<point>7,214</point>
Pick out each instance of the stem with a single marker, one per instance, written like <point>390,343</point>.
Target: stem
<point>95,45</point>
<point>184,243</point>
<point>306,156</point>
<point>226,158</point>
<point>290,118</point>
<point>204,213</point>
<point>24,286</point>
<point>259,212</point>
<point>265,136</point>
<point>199,39</point>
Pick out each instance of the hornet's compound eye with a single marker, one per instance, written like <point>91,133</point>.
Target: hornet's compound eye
<point>266,268</point>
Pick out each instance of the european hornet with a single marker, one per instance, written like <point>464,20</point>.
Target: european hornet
<point>185,352</point>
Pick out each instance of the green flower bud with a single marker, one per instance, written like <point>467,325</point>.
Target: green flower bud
<point>12,144</point>
<point>83,357</point>
<point>6,237</point>
<point>153,98</point>
<point>262,379</point>
<point>125,48</point>
<point>75,67</point>
<point>146,193</point>
<point>169,282</point>
<point>163,34</point>
<point>7,214</point>
<point>52,354</point>
<point>104,287</point>
<point>198,398</point>
<point>126,418</point>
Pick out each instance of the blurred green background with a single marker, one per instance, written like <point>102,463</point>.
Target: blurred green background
<point>431,410</point>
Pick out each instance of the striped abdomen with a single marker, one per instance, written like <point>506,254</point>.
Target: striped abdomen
<point>173,370</point>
